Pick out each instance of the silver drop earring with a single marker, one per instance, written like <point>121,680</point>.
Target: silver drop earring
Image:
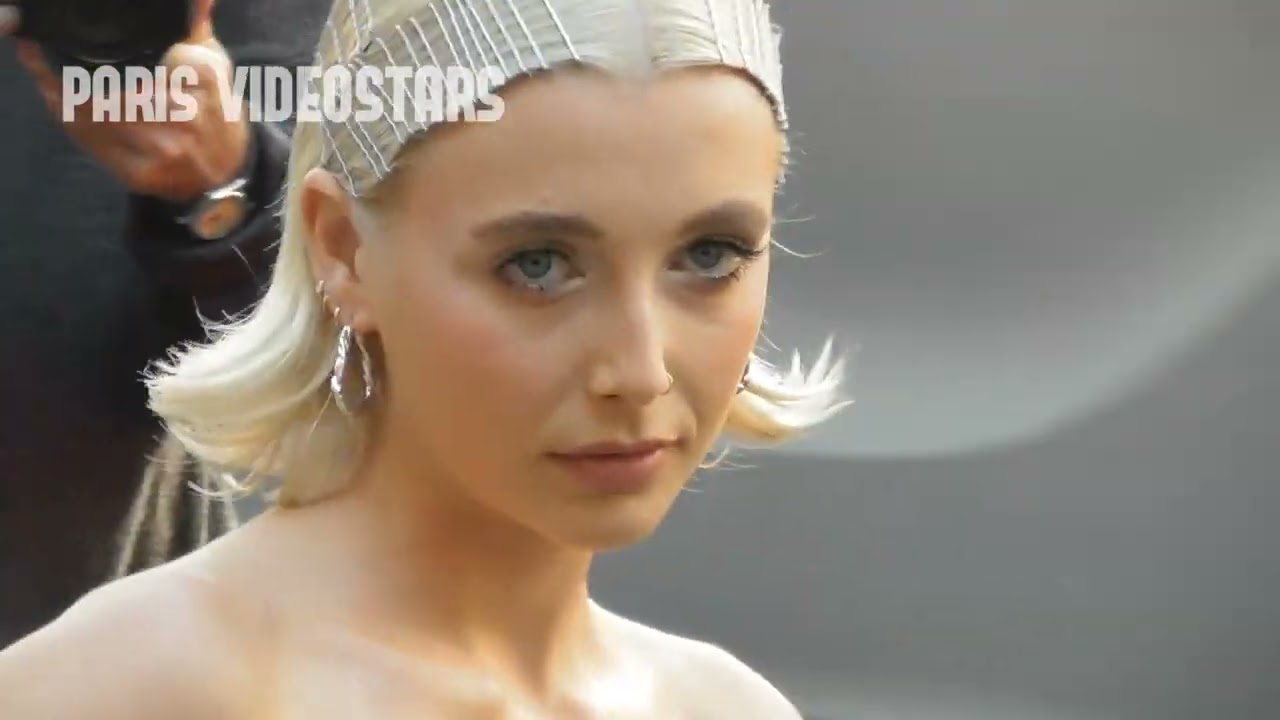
<point>346,340</point>
<point>744,382</point>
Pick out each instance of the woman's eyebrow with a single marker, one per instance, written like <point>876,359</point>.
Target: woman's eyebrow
<point>730,213</point>
<point>526,223</point>
<point>542,223</point>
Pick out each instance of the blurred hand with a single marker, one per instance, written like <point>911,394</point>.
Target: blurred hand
<point>177,160</point>
<point>8,17</point>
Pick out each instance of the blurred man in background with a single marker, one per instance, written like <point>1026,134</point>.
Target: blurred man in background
<point>110,251</point>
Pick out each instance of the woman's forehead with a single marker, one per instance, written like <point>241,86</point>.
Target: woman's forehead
<point>575,123</point>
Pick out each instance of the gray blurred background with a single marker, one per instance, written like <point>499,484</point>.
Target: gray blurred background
<point>1048,234</point>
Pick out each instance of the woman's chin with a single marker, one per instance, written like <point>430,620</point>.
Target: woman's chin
<point>608,529</point>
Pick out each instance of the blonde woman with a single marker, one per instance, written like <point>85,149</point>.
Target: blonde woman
<point>489,351</point>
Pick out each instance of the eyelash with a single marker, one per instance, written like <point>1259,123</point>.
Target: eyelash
<point>745,252</point>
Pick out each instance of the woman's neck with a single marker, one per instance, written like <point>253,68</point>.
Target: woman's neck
<point>439,572</point>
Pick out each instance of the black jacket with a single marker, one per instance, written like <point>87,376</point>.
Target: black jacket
<point>94,284</point>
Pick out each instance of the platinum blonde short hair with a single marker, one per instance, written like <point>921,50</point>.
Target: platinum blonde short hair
<point>253,402</point>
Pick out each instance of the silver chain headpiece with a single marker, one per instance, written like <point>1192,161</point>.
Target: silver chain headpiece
<point>519,37</point>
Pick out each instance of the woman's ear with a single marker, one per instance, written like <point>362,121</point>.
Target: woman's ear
<point>333,240</point>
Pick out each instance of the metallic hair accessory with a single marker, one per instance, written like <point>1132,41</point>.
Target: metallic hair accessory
<point>514,38</point>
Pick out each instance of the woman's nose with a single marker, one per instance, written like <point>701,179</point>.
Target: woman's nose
<point>630,358</point>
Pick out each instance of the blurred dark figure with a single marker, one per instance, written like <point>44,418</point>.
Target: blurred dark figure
<point>98,276</point>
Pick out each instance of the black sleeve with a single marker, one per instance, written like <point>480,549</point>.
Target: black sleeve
<point>230,275</point>
<point>221,276</point>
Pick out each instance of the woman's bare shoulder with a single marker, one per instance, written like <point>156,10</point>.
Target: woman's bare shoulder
<point>737,690</point>
<point>711,681</point>
<point>158,644</point>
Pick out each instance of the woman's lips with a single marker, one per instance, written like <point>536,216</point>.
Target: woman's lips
<point>616,466</point>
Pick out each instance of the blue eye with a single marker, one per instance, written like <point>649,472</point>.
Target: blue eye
<point>707,256</point>
<point>537,270</point>
<point>720,259</point>
<point>535,265</point>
